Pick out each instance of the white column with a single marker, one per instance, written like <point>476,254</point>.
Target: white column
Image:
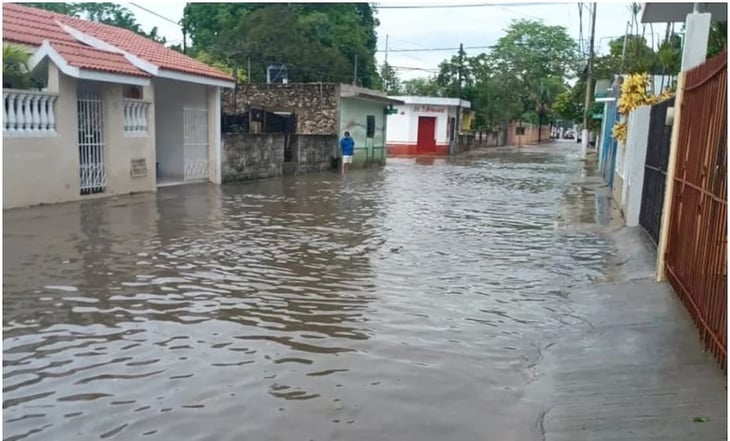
<point>696,35</point>
<point>35,125</point>
<point>217,136</point>
<point>638,142</point>
<point>25,112</point>
<point>52,114</point>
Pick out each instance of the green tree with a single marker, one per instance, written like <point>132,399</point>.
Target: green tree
<point>16,74</point>
<point>390,83</point>
<point>566,107</point>
<point>718,39</point>
<point>638,57</point>
<point>107,13</point>
<point>317,42</point>
<point>669,55</point>
<point>421,87</point>
<point>532,59</point>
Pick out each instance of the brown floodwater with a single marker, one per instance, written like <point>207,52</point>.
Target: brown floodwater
<point>408,302</point>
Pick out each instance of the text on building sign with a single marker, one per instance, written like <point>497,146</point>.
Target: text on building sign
<point>429,109</point>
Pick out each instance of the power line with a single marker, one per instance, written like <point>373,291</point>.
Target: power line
<point>467,5</point>
<point>416,68</point>
<point>155,14</point>
<point>435,49</point>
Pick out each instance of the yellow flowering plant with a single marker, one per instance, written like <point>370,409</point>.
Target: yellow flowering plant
<point>634,93</point>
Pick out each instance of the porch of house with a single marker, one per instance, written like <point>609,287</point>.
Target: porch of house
<point>100,138</point>
<point>87,137</point>
<point>186,132</point>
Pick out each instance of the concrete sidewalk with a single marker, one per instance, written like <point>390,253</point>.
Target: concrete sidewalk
<point>634,367</point>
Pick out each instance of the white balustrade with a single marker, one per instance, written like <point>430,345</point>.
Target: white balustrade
<point>27,113</point>
<point>135,117</point>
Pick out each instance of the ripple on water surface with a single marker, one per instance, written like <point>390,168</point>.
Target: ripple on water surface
<point>401,302</point>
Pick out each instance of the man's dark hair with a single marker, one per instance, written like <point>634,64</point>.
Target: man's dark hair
<point>347,133</point>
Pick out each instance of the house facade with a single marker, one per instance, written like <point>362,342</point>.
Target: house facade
<point>425,125</point>
<point>321,112</point>
<point>364,113</point>
<point>112,112</point>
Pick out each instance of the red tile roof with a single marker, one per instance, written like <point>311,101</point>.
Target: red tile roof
<point>84,57</point>
<point>32,26</point>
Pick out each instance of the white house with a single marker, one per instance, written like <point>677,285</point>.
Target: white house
<point>423,125</point>
<point>114,112</point>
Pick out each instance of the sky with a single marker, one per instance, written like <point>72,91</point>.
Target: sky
<point>427,28</point>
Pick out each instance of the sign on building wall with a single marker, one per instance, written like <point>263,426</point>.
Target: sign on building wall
<point>429,109</point>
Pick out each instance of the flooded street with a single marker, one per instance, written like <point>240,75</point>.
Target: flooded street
<point>410,302</point>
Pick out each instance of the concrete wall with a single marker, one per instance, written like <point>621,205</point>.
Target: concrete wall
<point>315,104</point>
<point>121,150</point>
<point>531,134</point>
<point>171,97</point>
<point>256,156</point>
<point>353,119</point>
<point>484,139</point>
<point>43,170</point>
<point>252,156</point>
<point>314,152</point>
<point>169,122</point>
<point>402,135</point>
<point>637,143</point>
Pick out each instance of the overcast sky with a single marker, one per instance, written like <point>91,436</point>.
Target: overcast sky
<point>443,27</point>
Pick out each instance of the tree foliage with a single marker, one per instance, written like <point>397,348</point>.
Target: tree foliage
<point>317,42</point>
<point>107,13</point>
<point>519,79</point>
<point>421,87</point>
<point>15,67</point>
<point>389,81</point>
<point>718,39</point>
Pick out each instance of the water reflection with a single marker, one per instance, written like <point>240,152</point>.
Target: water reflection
<point>395,303</point>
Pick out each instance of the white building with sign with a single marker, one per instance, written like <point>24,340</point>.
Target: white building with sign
<point>423,125</point>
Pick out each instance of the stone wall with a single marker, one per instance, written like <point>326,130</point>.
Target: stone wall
<point>256,156</point>
<point>315,152</point>
<point>252,156</point>
<point>315,104</point>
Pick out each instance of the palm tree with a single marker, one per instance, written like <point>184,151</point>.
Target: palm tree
<point>16,73</point>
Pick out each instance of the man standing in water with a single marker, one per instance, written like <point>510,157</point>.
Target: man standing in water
<point>347,145</point>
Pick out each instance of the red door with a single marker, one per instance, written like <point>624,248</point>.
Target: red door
<point>426,134</point>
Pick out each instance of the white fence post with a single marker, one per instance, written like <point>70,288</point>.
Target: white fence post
<point>28,114</point>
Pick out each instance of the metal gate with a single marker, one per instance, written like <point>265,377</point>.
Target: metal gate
<point>696,257</point>
<point>655,170</point>
<point>195,132</point>
<point>91,142</point>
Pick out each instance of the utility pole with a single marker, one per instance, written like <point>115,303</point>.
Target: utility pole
<point>354,75</point>
<point>589,79</point>
<point>623,51</point>
<point>458,107</point>
<point>386,48</point>
<point>386,68</point>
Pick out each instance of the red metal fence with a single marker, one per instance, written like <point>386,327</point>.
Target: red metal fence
<point>696,257</point>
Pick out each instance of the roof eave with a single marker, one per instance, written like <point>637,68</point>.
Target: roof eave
<point>375,98</point>
<point>652,12</point>
<point>193,78</point>
<point>46,51</point>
